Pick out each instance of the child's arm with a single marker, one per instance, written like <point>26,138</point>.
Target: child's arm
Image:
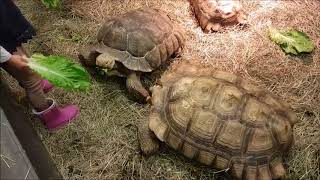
<point>4,55</point>
<point>15,61</point>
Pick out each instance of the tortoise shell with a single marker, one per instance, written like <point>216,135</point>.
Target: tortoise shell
<point>142,39</point>
<point>223,121</point>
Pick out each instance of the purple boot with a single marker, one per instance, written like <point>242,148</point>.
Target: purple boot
<point>55,117</point>
<point>46,85</point>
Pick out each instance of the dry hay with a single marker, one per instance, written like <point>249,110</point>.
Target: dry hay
<point>102,143</point>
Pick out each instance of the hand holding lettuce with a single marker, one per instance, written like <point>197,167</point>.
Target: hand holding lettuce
<point>60,71</point>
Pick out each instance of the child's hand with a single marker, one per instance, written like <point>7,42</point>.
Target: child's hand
<point>19,62</point>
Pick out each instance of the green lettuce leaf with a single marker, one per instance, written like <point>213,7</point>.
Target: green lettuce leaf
<point>60,71</point>
<point>52,4</point>
<point>294,42</point>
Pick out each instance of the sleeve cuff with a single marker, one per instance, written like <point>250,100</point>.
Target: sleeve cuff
<point>4,55</point>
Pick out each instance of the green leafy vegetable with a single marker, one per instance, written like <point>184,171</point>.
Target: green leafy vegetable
<point>294,42</point>
<point>60,71</point>
<point>52,4</point>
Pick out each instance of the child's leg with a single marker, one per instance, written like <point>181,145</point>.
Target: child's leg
<point>30,81</point>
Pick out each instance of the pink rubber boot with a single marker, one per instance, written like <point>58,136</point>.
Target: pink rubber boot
<point>46,85</point>
<point>55,117</point>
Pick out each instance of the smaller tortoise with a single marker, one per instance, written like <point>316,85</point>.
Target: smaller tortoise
<point>213,14</point>
<point>134,43</point>
<point>220,120</point>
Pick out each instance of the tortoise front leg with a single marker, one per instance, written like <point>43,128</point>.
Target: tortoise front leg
<point>211,26</point>
<point>149,143</point>
<point>136,88</point>
<point>242,19</point>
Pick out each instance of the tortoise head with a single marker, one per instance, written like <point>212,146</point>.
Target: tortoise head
<point>106,61</point>
<point>225,9</point>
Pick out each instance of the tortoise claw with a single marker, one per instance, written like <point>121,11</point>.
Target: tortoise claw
<point>212,27</point>
<point>148,100</point>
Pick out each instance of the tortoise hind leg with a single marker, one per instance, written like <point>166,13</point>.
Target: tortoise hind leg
<point>136,89</point>
<point>177,53</point>
<point>149,143</point>
<point>277,169</point>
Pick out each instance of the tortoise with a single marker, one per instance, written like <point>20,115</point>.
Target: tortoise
<point>220,120</point>
<point>213,14</point>
<point>135,43</point>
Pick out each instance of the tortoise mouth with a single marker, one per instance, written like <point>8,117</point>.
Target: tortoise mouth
<point>112,67</point>
<point>105,68</point>
<point>111,72</point>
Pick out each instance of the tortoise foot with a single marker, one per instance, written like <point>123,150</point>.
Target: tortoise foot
<point>136,89</point>
<point>149,144</point>
<point>212,27</point>
<point>242,19</point>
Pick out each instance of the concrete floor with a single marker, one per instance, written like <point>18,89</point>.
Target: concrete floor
<point>15,164</point>
<point>23,156</point>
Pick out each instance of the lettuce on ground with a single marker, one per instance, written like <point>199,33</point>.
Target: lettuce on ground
<point>293,41</point>
<point>52,4</point>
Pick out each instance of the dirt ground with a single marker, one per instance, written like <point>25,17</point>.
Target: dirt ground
<point>103,144</point>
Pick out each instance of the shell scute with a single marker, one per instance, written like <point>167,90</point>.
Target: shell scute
<point>206,158</point>
<point>202,91</point>
<point>261,141</point>
<point>228,101</point>
<point>139,44</point>
<point>180,113</point>
<point>255,113</point>
<point>231,135</point>
<point>204,126</point>
<point>116,37</point>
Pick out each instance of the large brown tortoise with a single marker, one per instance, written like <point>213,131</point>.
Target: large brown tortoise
<point>134,43</point>
<point>214,14</point>
<point>220,120</point>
